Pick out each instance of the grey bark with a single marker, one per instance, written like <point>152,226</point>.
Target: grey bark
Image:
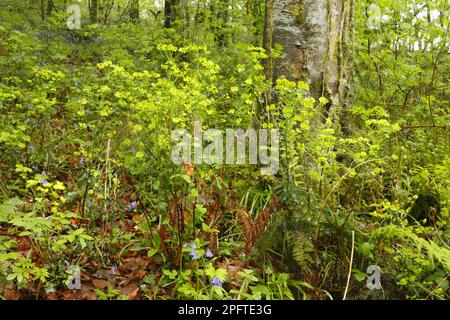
<point>316,40</point>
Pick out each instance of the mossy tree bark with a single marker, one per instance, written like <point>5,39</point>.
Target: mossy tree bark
<point>316,36</point>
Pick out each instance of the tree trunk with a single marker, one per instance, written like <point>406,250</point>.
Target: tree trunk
<point>49,7</point>
<point>316,38</point>
<point>221,23</point>
<point>42,7</point>
<point>267,45</point>
<point>93,11</point>
<point>170,12</point>
<point>134,11</point>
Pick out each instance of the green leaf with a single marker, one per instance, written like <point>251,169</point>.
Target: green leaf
<point>260,289</point>
<point>11,277</point>
<point>359,275</point>
<point>152,252</point>
<point>208,229</point>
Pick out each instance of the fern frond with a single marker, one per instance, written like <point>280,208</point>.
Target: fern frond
<point>433,251</point>
<point>301,248</point>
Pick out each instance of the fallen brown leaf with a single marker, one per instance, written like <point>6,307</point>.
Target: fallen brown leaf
<point>100,284</point>
<point>133,294</point>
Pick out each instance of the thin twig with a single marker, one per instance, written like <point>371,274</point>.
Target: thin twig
<point>350,268</point>
<point>107,174</point>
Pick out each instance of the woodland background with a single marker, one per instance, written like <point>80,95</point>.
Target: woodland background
<point>359,89</point>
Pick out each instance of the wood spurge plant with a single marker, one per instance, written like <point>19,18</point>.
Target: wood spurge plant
<point>225,149</point>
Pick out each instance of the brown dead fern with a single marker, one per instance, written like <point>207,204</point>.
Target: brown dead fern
<point>253,228</point>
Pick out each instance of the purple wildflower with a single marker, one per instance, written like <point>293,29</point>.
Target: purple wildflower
<point>132,206</point>
<point>209,254</point>
<point>194,256</point>
<point>44,182</point>
<point>113,270</point>
<point>216,282</point>
<point>31,147</point>
<point>193,246</point>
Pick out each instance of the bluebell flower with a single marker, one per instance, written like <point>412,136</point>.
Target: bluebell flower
<point>209,254</point>
<point>193,246</point>
<point>132,206</point>
<point>216,282</point>
<point>194,256</point>
<point>113,270</point>
<point>44,182</point>
<point>31,147</point>
<point>43,173</point>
